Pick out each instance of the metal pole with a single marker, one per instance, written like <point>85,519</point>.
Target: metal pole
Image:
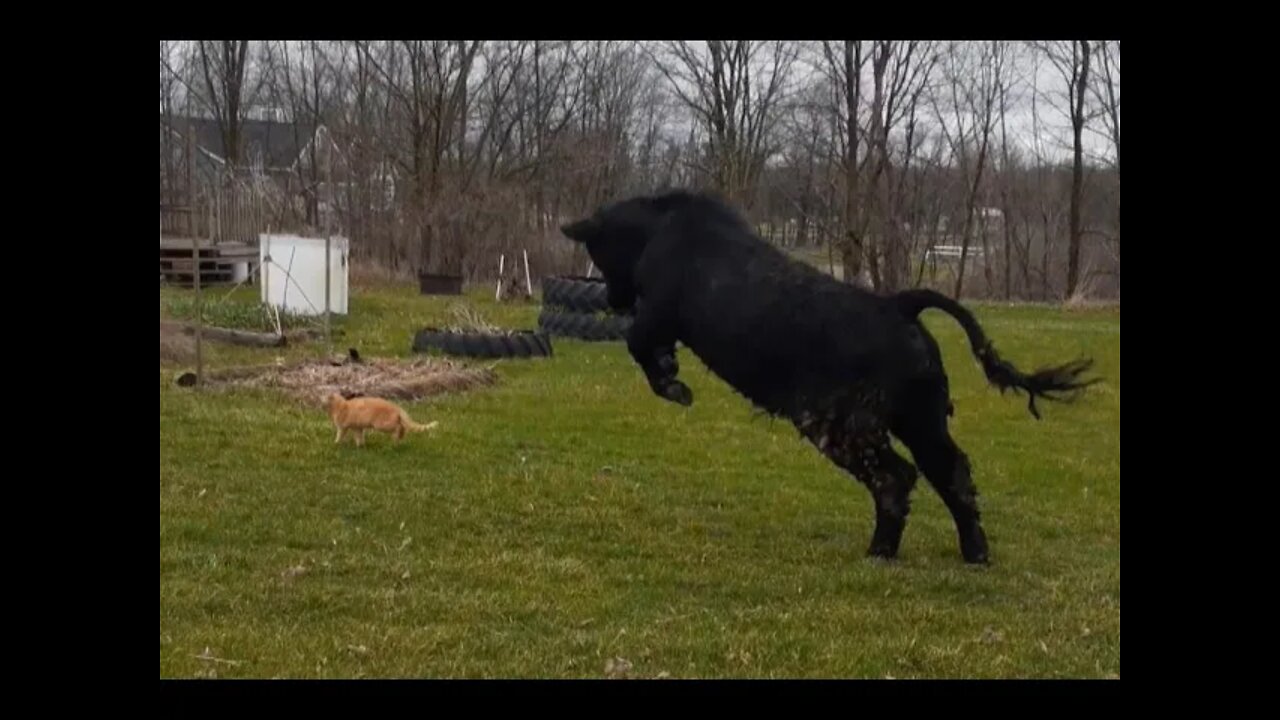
<point>328,339</point>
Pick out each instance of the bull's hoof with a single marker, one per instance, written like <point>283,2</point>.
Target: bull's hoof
<point>974,549</point>
<point>882,551</point>
<point>677,392</point>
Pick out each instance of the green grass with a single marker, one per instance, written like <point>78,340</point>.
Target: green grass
<point>567,516</point>
<point>235,311</point>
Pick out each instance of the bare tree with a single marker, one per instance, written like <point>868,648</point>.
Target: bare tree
<point>503,63</point>
<point>305,78</point>
<point>427,82</point>
<point>911,65</point>
<point>970,75</point>
<point>168,91</point>
<point>181,78</point>
<point>874,175</point>
<point>1006,183</point>
<point>806,153</point>
<point>844,68</point>
<point>1071,59</point>
<point>228,89</point>
<point>1106,91</point>
<point>734,90</point>
<point>168,78</point>
<point>935,188</point>
<point>554,101</point>
<point>446,153</point>
<point>1048,208</point>
<point>613,80</point>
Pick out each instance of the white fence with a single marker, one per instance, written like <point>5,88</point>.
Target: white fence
<point>952,252</point>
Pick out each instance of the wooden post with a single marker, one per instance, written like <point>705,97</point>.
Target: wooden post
<point>215,226</point>
<point>191,183</point>
<point>502,263</point>
<point>195,260</point>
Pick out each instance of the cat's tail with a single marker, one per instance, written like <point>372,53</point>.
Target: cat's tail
<point>413,426</point>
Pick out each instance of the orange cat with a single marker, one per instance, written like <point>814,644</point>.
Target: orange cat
<point>370,413</point>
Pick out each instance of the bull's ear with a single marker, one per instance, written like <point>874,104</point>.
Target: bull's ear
<point>580,231</point>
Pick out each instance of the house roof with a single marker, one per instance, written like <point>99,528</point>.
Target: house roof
<point>276,142</point>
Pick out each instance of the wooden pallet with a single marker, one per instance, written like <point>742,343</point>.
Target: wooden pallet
<point>216,262</point>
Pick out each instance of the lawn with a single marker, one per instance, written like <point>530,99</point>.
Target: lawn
<point>567,523</point>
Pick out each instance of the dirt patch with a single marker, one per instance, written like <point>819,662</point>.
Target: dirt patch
<point>176,347</point>
<point>393,379</point>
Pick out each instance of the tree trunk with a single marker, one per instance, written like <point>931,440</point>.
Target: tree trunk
<point>851,250</point>
<point>1077,169</point>
<point>1044,262</point>
<point>968,218</point>
<point>1006,177</point>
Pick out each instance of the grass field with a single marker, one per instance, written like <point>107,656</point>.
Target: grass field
<point>566,521</point>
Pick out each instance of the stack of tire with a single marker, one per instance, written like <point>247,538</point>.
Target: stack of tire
<point>578,307</point>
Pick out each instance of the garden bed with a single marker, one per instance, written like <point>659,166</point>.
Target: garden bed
<point>394,379</point>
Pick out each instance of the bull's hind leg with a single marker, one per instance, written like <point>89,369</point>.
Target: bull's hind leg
<point>865,452</point>
<point>946,467</point>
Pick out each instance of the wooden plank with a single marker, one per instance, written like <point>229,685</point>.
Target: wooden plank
<point>183,245</point>
<point>186,281</point>
<point>240,254</point>
<point>234,337</point>
<point>204,271</point>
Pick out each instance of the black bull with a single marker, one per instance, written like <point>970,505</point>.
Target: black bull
<point>846,366</point>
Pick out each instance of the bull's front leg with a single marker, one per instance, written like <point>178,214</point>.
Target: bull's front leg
<point>652,343</point>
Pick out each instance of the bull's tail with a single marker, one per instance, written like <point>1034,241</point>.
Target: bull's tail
<point>1061,383</point>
